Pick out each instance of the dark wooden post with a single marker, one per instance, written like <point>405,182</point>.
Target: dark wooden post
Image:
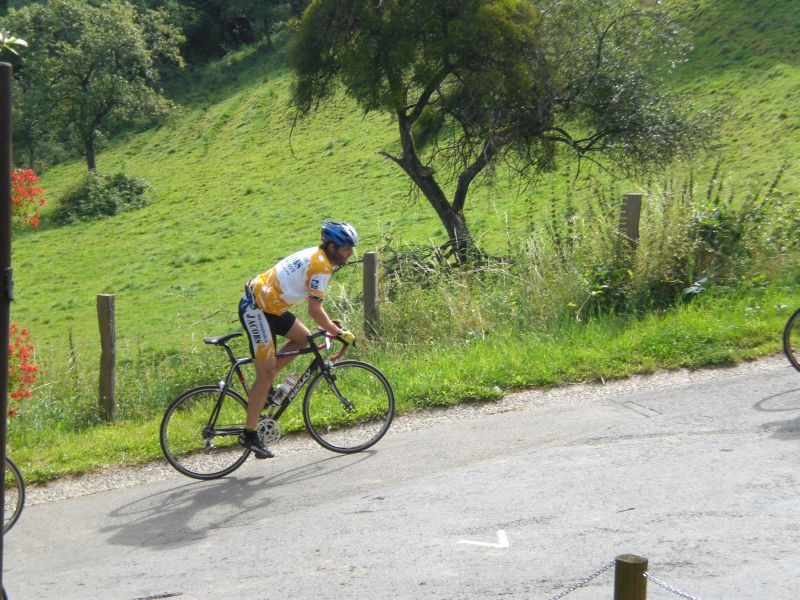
<point>6,281</point>
<point>629,218</point>
<point>108,355</point>
<point>371,294</point>
<point>629,580</point>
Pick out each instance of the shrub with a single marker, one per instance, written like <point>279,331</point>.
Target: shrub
<point>101,195</point>
<point>21,370</point>
<point>27,199</point>
<point>576,264</point>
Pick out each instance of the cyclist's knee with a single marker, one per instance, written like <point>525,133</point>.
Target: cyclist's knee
<point>265,368</point>
<point>298,334</point>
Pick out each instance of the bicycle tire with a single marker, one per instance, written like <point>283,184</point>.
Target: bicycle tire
<point>187,442</point>
<point>13,494</point>
<point>791,339</point>
<point>338,429</point>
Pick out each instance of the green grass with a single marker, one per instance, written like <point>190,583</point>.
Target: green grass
<point>746,63</point>
<point>232,195</point>
<point>237,188</point>
<point>719,330</point>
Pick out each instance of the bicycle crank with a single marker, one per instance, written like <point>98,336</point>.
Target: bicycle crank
<point>268,431</point>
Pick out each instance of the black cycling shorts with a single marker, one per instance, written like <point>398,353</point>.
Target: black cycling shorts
<point>262,327</point>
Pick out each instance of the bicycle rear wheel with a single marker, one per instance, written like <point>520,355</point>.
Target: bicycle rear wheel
<point>199,445</point>
<point>14,495</point>
<point>350,409</point>
<point>791,339</point>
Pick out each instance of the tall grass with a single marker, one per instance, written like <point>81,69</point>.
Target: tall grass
<point>577,265</point>
<point>568,301</point>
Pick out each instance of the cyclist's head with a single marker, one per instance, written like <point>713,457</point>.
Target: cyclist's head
<point>341,234</point>
<point>338,240</point>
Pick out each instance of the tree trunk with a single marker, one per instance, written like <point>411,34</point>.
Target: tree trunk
<point>453,220</point>
<point>460,240</point>
<point>90,159</point>
<point>31,155</point>
<point>452,217</point>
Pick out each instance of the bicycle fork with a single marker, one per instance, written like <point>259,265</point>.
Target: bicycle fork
<point>330,379</point>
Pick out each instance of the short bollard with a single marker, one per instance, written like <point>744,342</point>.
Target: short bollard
<point>629,580</point>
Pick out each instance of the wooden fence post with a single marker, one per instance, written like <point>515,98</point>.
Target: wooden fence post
<point>370,294</point>
<point>108,355</point>
<point>629,218</point>
<point>629,580</point>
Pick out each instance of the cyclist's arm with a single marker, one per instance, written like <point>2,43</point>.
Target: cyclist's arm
<point>317,312</point>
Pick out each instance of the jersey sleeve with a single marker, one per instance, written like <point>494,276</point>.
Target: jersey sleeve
<point>318,276</point>
<point>318,285</point>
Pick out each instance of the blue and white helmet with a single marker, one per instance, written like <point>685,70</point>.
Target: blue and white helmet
<point>341,234</point>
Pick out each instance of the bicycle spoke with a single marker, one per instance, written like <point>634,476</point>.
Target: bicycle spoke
<point>351,412</point>
<point>199,448</point>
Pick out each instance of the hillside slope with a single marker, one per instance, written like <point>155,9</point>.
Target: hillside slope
<point>237,187</point>
<point>746,62</point>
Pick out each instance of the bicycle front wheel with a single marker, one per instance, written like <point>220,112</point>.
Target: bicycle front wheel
<point>200,432</point>
<point>791,339</point>
<point>14,495</point>
<point>350,408</point>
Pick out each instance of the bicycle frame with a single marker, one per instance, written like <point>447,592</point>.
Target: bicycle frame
<point>319,363</point>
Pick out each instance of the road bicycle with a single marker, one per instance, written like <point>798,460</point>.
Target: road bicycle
<point>348,407</point>
<point>791,339</point>
<point>13,499</point>
<point>14,495</point>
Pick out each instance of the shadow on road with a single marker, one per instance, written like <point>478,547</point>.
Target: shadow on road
<point>185,514</point>
<point>787,401</point>
<point>326,466</point>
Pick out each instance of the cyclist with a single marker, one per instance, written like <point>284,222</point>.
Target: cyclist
<point>264,314</point>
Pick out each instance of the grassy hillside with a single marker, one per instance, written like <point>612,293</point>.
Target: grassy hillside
<point>236,189</point>
<point>746,63</point>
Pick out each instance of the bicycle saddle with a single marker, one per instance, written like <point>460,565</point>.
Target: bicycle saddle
<point>221,339</point>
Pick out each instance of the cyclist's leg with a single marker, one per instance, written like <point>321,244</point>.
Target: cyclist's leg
<point>296,333</point>
<point>257,396</point>
<point>262,349</point>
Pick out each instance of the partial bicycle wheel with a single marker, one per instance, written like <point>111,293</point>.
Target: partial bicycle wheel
<point>349,410</point>
<point>14,495</point>
<point>200,441</point>
<point>791,339</point>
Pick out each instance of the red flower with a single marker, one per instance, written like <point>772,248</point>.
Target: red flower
<point>26,199</point>
<point>21,372</point>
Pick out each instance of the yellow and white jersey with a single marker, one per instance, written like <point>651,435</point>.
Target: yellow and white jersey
<point>303,274</point>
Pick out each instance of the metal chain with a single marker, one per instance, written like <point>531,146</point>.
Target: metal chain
<point>583,582</point>
<point>667,586</point>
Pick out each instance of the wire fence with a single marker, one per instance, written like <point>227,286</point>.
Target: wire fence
<point>188,327</point>
<point>194,325</point>
<point>669,587</point>
<point>583,582</point>
<point>637,592</point>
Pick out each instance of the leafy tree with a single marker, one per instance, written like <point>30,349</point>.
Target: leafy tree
<point>472,83</point>
<point>213,27</point>
<point>91,67</point>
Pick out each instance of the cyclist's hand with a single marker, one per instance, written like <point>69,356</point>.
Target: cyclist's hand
<point>347,336</point>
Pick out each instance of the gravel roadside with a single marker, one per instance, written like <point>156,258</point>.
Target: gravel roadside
<point>120,477</point>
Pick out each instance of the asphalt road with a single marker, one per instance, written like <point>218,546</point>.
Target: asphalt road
<point>697,471</point>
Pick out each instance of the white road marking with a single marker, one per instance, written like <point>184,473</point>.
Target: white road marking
<point>502,541</point>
